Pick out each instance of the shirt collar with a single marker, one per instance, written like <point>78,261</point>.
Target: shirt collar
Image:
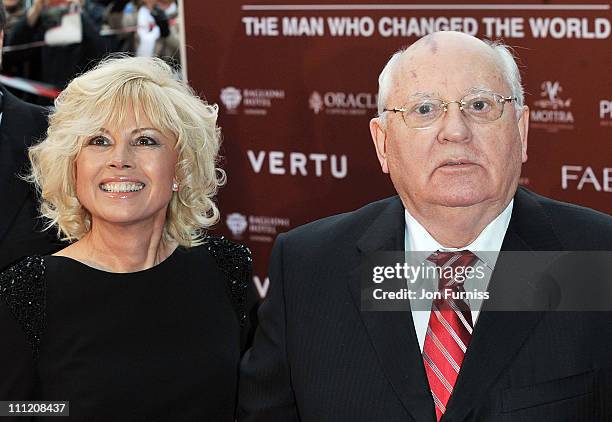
<point>490,239</point>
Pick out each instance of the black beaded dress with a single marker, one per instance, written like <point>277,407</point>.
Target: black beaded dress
<point>163,344</point>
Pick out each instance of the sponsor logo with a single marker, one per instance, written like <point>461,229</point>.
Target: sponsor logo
<point>552,112</point>
<point>315,102</point>
<point>298,164</point>
<point>267,225</point>
<point>237,223</point>
<point>551,91</point>
<point>605,113</point>
<point>259,228</point>
<point>253,101</point>
<point>342,103</point>
<point>231,98</point>
<point>585,178</point>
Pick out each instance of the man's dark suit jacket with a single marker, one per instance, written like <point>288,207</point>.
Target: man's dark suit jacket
<point>317,358</point>
<point>22,125</point>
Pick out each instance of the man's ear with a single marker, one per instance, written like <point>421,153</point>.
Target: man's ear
<point>523,125</point>
<point>379,137</point>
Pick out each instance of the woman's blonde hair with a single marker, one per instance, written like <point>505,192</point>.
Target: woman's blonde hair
<point>105,96</point>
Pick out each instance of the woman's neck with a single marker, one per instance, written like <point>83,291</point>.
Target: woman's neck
<point>122,249</point>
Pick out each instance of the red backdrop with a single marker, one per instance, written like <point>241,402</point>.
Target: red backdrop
<point>296,86</point>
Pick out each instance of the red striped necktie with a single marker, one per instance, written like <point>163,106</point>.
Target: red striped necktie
<point>449,330</point>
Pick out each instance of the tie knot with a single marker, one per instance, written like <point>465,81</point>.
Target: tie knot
<point>452,267</point>
<point>452,259</point>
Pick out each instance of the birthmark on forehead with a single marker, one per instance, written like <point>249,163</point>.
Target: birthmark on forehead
<point>432,44</point>
<point>413,74</point>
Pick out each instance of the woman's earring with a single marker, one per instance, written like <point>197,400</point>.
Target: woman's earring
<point>175,186</point>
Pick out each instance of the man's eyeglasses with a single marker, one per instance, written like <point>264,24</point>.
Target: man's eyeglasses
<point>482,107</point>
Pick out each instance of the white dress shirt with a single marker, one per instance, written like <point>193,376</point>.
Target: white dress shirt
<point>489,240</point>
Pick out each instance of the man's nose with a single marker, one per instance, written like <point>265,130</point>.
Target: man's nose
<point>454,125</point>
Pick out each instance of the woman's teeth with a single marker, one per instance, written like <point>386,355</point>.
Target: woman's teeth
<point>122,187</point>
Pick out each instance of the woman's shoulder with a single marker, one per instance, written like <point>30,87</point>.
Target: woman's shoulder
<point>236,264</point>
<point>21,277</point>
<point>22,289</point>
<point>228,253</point>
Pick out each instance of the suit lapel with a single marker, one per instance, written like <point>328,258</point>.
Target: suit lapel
<point>499,335</point>
<point>392,333</point>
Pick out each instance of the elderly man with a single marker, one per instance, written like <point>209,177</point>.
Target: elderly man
<point>452,135</point>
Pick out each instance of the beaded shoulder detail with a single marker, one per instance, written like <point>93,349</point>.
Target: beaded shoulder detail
<point>236,263</point>
<point>22,288</point>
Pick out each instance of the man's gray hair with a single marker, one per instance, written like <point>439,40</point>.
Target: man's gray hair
<point>505,58</point>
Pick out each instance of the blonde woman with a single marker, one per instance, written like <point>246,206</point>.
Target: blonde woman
<point>142,317</point>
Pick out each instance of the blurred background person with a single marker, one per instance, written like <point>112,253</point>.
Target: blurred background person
<point>52,41</point>
<point>149,31</point>
<point>143,316</point>
<point>25,62</point>
<point>168,48</point>
<point>72,39</point>
<point>21,125</point>
<point>158,33</point>
<point>15,9</point>
<point>121,17</point>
